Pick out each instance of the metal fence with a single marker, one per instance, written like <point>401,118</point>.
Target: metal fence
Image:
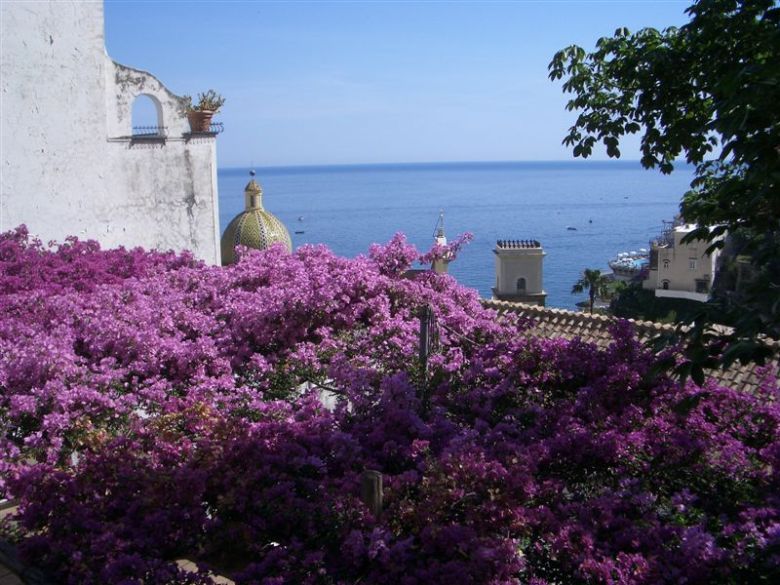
<point>150,131</point>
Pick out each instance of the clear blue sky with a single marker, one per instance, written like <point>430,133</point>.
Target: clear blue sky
<point>370,82</point>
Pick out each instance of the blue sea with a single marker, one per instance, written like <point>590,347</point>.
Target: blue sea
<point>615,206</point>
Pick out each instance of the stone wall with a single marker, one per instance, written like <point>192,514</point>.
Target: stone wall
<point>70,163</point>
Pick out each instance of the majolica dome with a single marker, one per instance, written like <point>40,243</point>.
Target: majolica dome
<point>254,227</point>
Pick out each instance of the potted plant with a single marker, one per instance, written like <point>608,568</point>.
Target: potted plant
<point>200,114</point>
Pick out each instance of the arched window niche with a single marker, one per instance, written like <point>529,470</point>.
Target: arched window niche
<point>147,118</point>
<point>521,285</point>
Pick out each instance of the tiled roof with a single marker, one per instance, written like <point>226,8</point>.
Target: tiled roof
<point>549,322</point>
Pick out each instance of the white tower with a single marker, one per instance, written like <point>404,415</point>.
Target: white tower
<point>440,238</point>
<point>519,271</point>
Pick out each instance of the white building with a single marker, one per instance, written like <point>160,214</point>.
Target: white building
<point>519,275</point>
<point>70,162</point>
<point>678,270</point>
<point>440,266</point>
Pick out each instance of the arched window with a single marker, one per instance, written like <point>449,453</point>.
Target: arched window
<point>666,264</point>
<point>665,285</point>
<point>521,285</point>
<point>147,118</point>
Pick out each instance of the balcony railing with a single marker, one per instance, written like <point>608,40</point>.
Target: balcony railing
<point>216,128</point>
<point>150,131</point>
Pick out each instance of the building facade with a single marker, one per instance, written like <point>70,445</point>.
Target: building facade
<point>519,271</point>
<point>680,270</point>
<point>71,161</point>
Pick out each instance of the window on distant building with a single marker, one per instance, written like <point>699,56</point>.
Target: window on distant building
<point>666,264</point>
<point>665,285</point>
<point>692,264</point>
<point>521,285</point>
<point>702,285</point>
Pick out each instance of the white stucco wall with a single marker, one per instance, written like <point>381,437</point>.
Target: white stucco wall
<point>674,265</point>
<point>520,263</point>
<point>69,164</point>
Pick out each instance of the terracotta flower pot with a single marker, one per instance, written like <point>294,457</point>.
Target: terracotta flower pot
<point>200,120</point>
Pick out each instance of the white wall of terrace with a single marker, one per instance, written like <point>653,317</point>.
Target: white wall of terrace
<point>71,164</point>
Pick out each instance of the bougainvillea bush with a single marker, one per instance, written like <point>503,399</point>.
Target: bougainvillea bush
<point>154,408</point>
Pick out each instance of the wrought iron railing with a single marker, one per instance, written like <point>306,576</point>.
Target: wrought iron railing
<point>150,131</point>
<point>214,129</point>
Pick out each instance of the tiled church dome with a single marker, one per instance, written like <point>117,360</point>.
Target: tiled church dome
<point>254,227</point>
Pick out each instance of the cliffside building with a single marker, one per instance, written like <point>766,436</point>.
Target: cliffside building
<point>72,163</point>
<point>680,270</point>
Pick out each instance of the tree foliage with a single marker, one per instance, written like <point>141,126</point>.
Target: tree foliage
<point>707,91</point>
<point>632,301</point>
<point>592,281</point>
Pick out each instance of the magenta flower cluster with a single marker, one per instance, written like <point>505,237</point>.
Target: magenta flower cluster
<point>153,408</point>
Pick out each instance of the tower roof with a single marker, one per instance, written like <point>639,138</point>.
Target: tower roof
<point>517,244</point>
<point>438,235</point>
<point>253,193</point>
<point>254,227</point>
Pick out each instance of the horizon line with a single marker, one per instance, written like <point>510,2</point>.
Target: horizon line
<point>576,161</point>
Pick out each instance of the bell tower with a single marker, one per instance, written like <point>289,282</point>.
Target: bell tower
<point>440,239</point>
<point>519,275</point>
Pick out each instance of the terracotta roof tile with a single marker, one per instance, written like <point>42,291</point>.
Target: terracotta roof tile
<point>552,322</point>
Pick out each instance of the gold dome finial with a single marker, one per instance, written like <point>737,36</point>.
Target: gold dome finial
<point>253,193</point>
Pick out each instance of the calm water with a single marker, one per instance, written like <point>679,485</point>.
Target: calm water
<point>615,205</point>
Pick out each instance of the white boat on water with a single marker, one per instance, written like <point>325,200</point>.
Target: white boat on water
<point>628,265</point>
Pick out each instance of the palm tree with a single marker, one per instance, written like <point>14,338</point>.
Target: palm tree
<point>592,281</point>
